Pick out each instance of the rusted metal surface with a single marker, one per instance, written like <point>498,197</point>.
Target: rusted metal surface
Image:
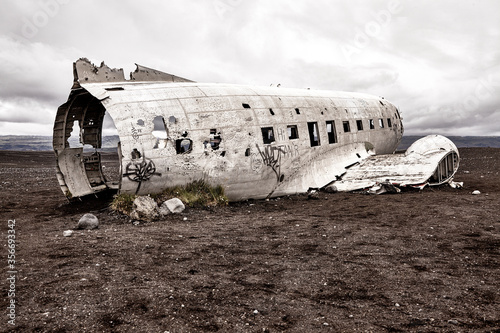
<point>256,142</point>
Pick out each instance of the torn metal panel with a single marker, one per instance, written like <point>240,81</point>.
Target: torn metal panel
<point>432,160</point>
<point>143,73</point>
<point>86,72</point>
<point>256,142</point>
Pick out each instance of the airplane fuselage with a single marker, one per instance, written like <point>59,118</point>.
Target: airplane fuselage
<point>256,142</point>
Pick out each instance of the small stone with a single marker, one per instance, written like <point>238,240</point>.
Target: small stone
<point>476,192</point>
<point>134,215</point>
<point>88,221</point>
<point>67,233</point>
<point>313,195</point>
<point>175,205</point>
<point>453,321</point>
<point>255,311</point>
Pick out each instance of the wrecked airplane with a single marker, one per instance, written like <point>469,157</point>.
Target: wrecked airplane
<point>257,142</point>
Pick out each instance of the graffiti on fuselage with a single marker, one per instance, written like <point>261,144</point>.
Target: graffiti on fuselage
<point>140,170</point>
<point>273,156</point>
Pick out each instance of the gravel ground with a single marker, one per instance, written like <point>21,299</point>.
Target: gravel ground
<point>419,261</point>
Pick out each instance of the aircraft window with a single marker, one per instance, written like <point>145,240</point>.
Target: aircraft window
<point>347,126</point>
<point>313,134</point>
<point>215,139</point>
<point>389,122</point>
<point>183,146</point>
<point>372,124</point>
<point>159,132</point>
<point>271,112</point>
<point>297,111</point>
<point>268,135</point>
<point>245,105</point>
<point>293,132</point>
<point>359,124</point>
<point>381,123</point>
<point>330,129</point>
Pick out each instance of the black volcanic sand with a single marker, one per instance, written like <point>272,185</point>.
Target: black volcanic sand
<point>412,262</point>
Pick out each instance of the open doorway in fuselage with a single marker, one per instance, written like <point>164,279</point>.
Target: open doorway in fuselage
<point>110,153</point>
<point>101,166</point>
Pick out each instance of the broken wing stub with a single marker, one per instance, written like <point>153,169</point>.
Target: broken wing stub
<point>432,160</point>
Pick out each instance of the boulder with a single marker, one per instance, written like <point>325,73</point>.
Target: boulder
<point>88,221</point>
<point>164,211</point>
<point>145,208</point>
<point>174,205</point>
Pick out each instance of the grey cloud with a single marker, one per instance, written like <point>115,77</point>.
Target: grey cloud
<point>427,60</point>
<point>25,110</point>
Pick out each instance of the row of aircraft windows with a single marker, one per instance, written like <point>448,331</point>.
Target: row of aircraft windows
<point>314,137</point>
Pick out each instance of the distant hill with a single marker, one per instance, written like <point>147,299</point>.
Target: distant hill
<point>44,143</point>
<point>459,141</point>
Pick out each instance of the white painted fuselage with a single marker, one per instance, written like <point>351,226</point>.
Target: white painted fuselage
<point>256,142</point>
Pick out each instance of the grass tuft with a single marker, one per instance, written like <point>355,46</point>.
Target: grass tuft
<point>196,194</point>
<point>123,203</point>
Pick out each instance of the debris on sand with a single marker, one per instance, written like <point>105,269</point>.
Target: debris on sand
<point>67,233</point>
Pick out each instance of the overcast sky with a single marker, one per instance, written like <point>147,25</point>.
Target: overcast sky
<point>438,61</point>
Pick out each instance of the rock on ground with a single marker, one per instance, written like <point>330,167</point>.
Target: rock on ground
<point>174,205</point>
<point>88,221</point>
<point>145,208</point>
<point>164,211</point>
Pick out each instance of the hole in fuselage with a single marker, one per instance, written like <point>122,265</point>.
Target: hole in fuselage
<point>110,153</point>
<point>74,140</point>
